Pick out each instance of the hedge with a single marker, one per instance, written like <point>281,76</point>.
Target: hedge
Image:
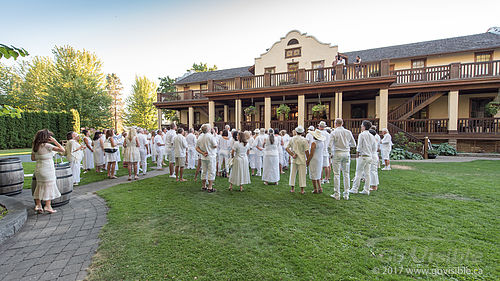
<point>19,132</point>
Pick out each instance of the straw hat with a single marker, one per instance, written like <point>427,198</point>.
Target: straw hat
<point>256,131</point>
<point>299,129</point>
<point>311,128</point>
<point>318,135</point>
<point>322,124</point>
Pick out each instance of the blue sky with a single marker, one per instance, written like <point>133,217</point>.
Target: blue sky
<point>158,38</point>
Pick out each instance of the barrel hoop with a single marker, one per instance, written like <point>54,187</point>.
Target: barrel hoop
<point>12,184</point>
<point>12,192</point>
<point>12,171</point>
<point>67,192</point>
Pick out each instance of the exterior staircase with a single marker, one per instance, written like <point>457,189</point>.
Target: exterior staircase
<point>413,105</point>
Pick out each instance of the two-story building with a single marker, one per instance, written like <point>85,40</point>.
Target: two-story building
<point>440,89</point>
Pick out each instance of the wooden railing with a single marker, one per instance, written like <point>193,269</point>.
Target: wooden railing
<point>221,125</point>
<point>183,95</point>
<point>409,105</point>
<point>432,73</point>
<point>423,126</point>
<point>478,69</point>
<point>224,85</point>
<point>252,82</point>
<point>288,125</point>
<point>489,126</point>
<point>393,129</point>
<point>251,125</point>
<point>355,124</point>
<point>315,123</point>
<point>284,78</point>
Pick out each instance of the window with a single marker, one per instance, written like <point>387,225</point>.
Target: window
<point>325,116</point>
<point>203,86</point>
<point>292,67</point>
<point>292,53</point>
<point>359,110</point>
<point>318,74</point>
<point>318,64</point>
<point>477,107</point>
<point>483,57</point>
<point>270,69</point>
<point>293,42</point>
<point>418,63</point>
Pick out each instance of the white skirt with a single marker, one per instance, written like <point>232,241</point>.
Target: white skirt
<point>240,174</point>
<point>271,168</point>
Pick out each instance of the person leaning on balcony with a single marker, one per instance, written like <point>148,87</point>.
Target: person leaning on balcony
<point>385,149</point>
<point>207,148</point>
<point>341,143</point>
<point>364,156</point>
<point>298,149</point>
<point>357,62</point>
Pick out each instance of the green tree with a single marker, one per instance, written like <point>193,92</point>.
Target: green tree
<point>202,67</point>
<point>78,84</point>
<point>167,86</point>
<point>139,110</point>
<point>114,88</point>
<point>12,52</point>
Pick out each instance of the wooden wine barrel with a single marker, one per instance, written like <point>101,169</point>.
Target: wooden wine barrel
<point>64,184</point>
<point>11,176</point>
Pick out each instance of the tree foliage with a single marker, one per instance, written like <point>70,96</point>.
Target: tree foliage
<point>72,79</point>
<point>12,52</point>
<point>202,67</point>
<point>114,88</point>
<point>139,110</point>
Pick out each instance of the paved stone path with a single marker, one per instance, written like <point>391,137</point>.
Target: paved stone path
<point>58,246</point>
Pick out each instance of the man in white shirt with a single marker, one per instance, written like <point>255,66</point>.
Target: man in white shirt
<point>298,148</point>
<point>192,154</point>
<point>364,153</point>
<point>326,155</point>
<point>259,152</point>
<point>160,145</point>
<point>169,148</point>
<point>207,147</point>
<point>180,153</point>
<point>385,149</point>
<point>143,150</point>
<point>341,142</point>
<point>309,136</point>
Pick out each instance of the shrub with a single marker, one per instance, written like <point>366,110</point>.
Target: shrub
<point>444,149</point>
<point>402,154</point>
<point>19,132</point>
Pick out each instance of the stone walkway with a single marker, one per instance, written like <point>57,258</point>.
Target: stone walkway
<point>58,246</point>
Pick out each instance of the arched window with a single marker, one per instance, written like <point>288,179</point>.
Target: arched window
<point>293,42</point>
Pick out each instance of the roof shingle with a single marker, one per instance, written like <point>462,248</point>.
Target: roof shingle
<point>215,75</point>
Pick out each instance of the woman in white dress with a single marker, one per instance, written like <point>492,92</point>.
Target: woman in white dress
<point>271,160</point>
<point>110,148</point>
<point>88,153</point>
<point>131,154</point>
<point>240,174</point>
<point>98,145</point>
<point>224,152</point>
<point>315,159</point>
<point>153,147</point>
<point>375,161</point>
<point>74,154</point>
<point>45,172</point>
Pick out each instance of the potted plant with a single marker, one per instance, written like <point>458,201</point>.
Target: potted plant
<point>251,110</point>
<point>319,110</point>
<point>283,110</point>
<point>491,108</point>
<point>432,153</point>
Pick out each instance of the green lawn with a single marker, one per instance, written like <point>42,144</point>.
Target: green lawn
<point>16,151</point>
<point>428,216</point>
<point>89,177</point>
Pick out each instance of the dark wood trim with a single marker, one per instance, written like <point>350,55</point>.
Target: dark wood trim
<point>446,85</point>
<point>415,59</point>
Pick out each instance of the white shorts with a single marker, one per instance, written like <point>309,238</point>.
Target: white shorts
<point>385,154</point>
<point>170,156</point>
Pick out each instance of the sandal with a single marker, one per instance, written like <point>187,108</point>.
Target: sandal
<point>38,210</point>
<point>129,178</point>
<point>203,189</point>
<point>212,190</point>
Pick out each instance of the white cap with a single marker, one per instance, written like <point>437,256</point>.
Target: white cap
<point>299,129</point>
<point>322,124</point>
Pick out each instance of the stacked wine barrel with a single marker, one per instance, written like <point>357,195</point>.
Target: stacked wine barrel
<point>11,176</point>
<point>64,184</point>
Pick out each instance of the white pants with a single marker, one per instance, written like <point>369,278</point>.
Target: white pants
<point>362,168</point>
<point>341,163</point>
<point>301,170</point>
<point>208,168</point>
<point>224,157</point>
<point>75,169</point>
<point>144,163</point>
<point>374,171</point>
<point>258,164</point>
<point>159,158</point>
<point>192,158</point>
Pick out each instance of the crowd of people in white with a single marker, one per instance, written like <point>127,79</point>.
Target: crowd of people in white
<point>239,155</point>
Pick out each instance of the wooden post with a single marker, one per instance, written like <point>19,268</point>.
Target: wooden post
<point>237,83</point>
<point>301,110</point>
<point>426,147</point>
<point>452,112</point>
<point>455,70</point>
<point>339,72</point>
<point>301,75</point>
<point>384,67</point>
<point>267,79</point>
<point>210,85</point>
<point>190,117</point>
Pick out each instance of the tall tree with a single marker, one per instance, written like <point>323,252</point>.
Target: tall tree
<point>167,86</point>
<point>114,88</point>
<point>139,110</point>
<point>79,84</point>
<point>202,67</point>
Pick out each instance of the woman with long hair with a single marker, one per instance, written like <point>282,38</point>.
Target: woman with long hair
<point>240,173</point>
<point>44,144</point>
<point>88,153</point>
<point>271,160</point>
<point>110,148</point>
<point>131,154</point>
<point>98,144</point>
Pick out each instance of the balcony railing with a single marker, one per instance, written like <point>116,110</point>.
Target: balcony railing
<point>355,124</point>
<point>342,73</point>
<point>423,126</point>
<point>490,126</point>
<point>287,125</point>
